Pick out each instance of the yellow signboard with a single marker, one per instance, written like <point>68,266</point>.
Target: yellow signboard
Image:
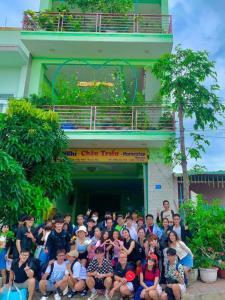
<point>108,155</point>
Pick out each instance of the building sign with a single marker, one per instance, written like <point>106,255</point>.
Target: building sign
<point>108,155</point>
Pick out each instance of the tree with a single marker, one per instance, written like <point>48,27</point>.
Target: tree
<point>183,76</point>
<point>35,140</point>
<point>17,195</point>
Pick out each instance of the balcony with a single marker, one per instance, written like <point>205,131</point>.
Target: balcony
<point>97,22</point>
<point>114,118</point>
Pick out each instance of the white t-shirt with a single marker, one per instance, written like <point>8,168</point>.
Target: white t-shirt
<point>79,271</point>
<point>58,272</point>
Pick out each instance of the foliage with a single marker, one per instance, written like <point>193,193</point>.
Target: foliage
<point>207,224</point>
<point>183,76</point>
<point>34,139</point>
<point>104,6</point>
<point>17,195</point>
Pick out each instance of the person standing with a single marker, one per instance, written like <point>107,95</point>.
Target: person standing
<point>57,239</point>
<point>165,213</point>
<point>151,227</point>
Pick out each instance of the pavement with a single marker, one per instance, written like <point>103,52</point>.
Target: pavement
<point>197,291</point>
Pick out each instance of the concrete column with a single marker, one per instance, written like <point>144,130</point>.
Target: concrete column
<point>164,7</point>
<point>152,86</point>
<point>36,77</point>
<point>161,184</point>
<point>22,82</point>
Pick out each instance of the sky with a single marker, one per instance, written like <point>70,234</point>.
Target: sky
<point>197,24</point>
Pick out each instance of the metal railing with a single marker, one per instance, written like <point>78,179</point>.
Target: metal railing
<point>97,22</point>
<point>123,118</point>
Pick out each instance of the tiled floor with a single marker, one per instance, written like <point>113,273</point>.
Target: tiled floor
<point>197,291</point>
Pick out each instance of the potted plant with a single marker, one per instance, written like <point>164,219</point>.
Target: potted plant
<point>221,270</point>
<point>208,234</point>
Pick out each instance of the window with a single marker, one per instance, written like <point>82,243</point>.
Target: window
<point>4,102</point>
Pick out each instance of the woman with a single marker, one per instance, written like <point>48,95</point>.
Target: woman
<point>96,238</point>
<point>149,280</point>
<point>129,248</point>
<point>166,228</point>
<point>154,249</point>
<point>104,242</point>
<point>42,237</point>
<point>116,244</point>
<point>142,241</point>
<point>183,252</point>
<point>4,249</point>
<point>81,244</point>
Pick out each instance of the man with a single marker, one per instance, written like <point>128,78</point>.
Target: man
<point>67,220</point>
<point>120,223</point>
<point>91,228</point>
<point>57,239</point>
<point>102,224</point>
<point>22,274</point>
<point>131,228</point>
<point>77,275</point>
<point>166,213</point>
<point>134,217</point>
<point>80,222</point>
<point>25,236</point>
<point>174,274</point>
<point>181,230</point>
<point>152,228</point>
<point>109,226</point>
<point>55,278</point>
<point>121,284</point>
<point>99,274</point>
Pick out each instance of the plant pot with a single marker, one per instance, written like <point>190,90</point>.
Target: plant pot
<point>193,275</point>
<point>208,275</point>
<point>221,273</point>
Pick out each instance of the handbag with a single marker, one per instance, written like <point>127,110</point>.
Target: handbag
<point>13,293</point>
<point>38,251</point>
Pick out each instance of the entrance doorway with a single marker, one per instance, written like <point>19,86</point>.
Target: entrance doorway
<point>103,202</point>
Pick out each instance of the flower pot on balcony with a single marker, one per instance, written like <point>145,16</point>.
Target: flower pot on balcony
<point>221,273</point>
<point>208,275</point>
<point>193,275</point>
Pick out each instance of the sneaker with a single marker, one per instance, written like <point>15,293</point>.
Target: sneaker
<point>44,298</point>
<point>57,297</point>
<point>59,291</point>
<point>65,291</point>
<point>107,295</point>
<point>83,293</point>
<point>93,296</point>
<point>71,294</point>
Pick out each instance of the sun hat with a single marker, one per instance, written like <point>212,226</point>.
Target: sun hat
<point>82,228</point>
<point>130,275</point>
<point>73,253</point>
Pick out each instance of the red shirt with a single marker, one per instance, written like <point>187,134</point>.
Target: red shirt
<point>149,275</point>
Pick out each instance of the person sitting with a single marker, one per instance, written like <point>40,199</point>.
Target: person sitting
<point>99,274</point>
<point>166,213</point>
<point>174,274</point>
<point>149,280</point>
<point>77,275</point>
<point>121,284</point>
<point>22,274</point>
<point>55,278</point>
<point>81,244</point>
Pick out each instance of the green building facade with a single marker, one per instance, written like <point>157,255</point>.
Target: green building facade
<point>94,69</point>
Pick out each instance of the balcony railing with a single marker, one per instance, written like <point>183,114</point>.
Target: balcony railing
<point>134,118</point>
<point>98,22</point>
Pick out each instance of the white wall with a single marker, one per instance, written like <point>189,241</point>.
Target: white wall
<point>10,80</point>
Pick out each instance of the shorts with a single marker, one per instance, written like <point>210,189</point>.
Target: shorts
<point>187,261</point>
<point>20,286</point>
<point>50,287</point>
<point>2,259</point>
<point>99,284</point>
<point>130,286</point>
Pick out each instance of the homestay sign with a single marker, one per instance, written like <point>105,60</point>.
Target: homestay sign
<point>108,155</point>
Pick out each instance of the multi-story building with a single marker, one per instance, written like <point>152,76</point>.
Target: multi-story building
<point>116,143</point>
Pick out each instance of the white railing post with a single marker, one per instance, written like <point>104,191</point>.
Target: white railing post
<point>95,116</point>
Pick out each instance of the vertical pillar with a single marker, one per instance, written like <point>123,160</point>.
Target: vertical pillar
<point>22,82</point>
<point>152,85</point>
<point>146,199</point>
<point>161,184</point>
<point>165,12</point>
<point>36,77</point>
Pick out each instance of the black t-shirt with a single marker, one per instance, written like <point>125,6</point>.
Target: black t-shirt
<point>119,271</point>
<point>56,241</point>
<point>20,274</point>
<point>26,243</point>
<point>132,257</point>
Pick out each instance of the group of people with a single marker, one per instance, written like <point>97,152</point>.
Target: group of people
<point>127,255</point>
